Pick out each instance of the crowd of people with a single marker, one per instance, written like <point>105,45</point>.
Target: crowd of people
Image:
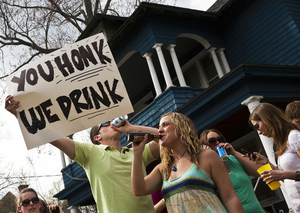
<point>191,176</point>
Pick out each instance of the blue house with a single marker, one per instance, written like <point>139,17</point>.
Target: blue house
<point>214,66</point>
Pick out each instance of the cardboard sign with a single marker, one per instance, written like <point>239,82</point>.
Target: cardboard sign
<point>67,91</point>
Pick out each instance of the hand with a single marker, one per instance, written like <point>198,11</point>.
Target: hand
<point>261,159</point>
<point>11,105</point>
<point>272,175</point>
<point>54,207</point>
<point>205,146</point>
<point>124,128</point>
<point>138,147</point>
<point>228,147</point>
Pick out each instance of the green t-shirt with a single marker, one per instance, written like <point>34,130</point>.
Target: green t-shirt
<point>243,186</point>
<point>109,173</point>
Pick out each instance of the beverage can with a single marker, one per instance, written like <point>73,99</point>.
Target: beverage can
<point>119,121</point>
<point>222,153</point>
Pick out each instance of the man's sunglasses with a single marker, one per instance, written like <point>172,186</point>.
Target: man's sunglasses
<point>26,202</point>
<point>221,139</point>
<point>107,123</point>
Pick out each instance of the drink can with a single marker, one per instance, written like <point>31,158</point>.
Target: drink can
<point>222,153</point>
<point>119,121</point>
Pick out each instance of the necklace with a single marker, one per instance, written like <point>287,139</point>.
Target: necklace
<point>174,167</point>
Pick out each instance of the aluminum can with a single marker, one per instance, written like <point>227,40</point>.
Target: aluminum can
<point>222,153</point>
<point>119,121</point>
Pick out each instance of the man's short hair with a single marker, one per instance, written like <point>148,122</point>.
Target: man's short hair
<point>94,132</point>
<point>292,110</point>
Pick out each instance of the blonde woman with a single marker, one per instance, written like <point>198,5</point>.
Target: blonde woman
<point>189,175</point>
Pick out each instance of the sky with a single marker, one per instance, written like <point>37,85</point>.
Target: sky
<point>14,154</point>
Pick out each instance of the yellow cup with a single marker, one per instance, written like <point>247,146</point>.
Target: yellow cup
<point>275,184</point>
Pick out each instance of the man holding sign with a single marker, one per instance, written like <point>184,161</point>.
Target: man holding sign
<point>86,88</point>
<point>108,165</point>
<point>68,90</point>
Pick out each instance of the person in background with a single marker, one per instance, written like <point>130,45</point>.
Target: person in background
<point>292,111</point>
<point>29,202</point>
<point>189,175</point>
<point>238,168</point>
<point>271,122</point>
<point>159,202</point>
<point>107,164</point>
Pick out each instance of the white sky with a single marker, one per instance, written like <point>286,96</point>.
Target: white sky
<point>13,151</point>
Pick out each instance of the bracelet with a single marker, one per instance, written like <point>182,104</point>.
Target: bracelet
<point>267,160</point>
<point>297,175</point>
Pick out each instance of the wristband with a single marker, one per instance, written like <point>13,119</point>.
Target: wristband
<point>297,175</point>
<point>267,161</point>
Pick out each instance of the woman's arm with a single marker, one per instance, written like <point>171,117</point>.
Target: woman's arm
<point>276,175</point>
<point>160,206</point>
<point>216,168</point>
<point>250,166</point>
<point>154,145</point>
<point>143,185</point>
<point>262,160</point>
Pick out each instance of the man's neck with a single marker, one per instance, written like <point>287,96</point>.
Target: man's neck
<point>113,143</point>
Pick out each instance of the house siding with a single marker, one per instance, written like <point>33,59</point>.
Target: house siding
<point>262,32</point>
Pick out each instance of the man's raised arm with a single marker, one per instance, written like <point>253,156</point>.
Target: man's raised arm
<point>64,144</point>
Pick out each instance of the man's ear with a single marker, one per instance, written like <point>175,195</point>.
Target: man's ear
<point>97,137</point>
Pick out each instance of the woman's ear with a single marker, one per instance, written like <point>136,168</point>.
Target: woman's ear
<point>19,209</point>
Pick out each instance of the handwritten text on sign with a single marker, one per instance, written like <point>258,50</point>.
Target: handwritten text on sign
<point>69,90</point>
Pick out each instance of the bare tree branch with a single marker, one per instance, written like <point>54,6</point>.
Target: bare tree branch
<point>41,27</point>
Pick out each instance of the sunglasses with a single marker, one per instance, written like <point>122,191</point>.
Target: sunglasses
<point>256,125</point>
<point>107,123</point>
<point>221,139</point>
<point>34,200</point>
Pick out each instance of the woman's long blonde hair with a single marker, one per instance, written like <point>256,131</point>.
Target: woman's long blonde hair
<point>276,122</point>
<point>188,135</point>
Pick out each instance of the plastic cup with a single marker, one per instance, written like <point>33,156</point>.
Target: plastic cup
<point>275,184</point>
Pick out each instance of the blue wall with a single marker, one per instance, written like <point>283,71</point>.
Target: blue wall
<point>162,28</point>
<point>262,32</point>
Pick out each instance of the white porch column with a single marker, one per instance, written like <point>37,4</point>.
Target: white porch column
<point>163,64</point>
<point>69,160</point>
<point>74,209</point>
<point>252,102</point>
<point>176,65</point>
<point>153,73</point>
<point>63,160</point>
<point>216,61</point>
<point>223,59</point>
